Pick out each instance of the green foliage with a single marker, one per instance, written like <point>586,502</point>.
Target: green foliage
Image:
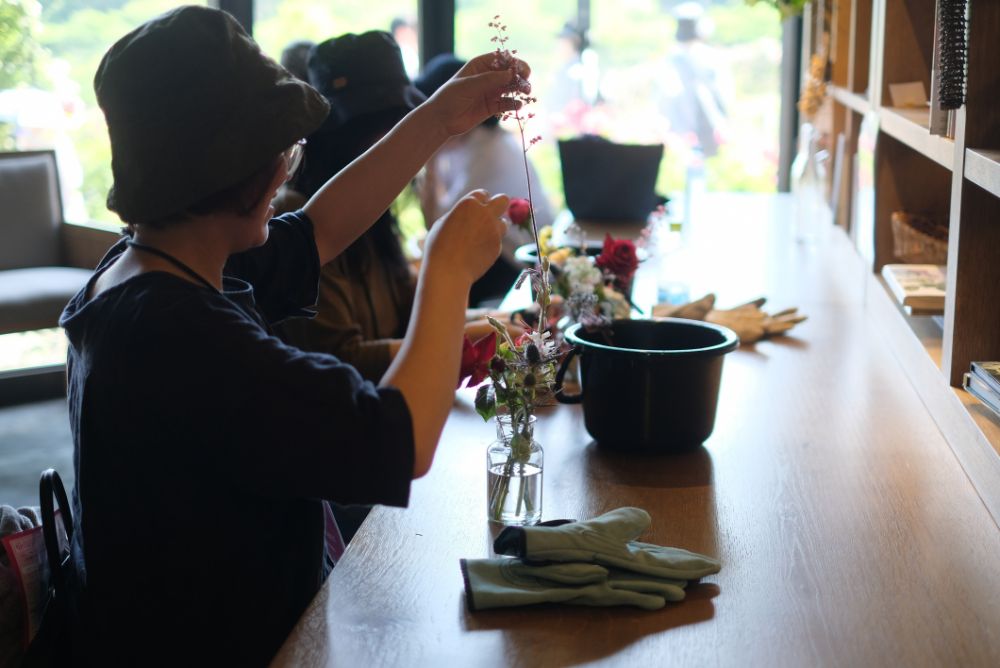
<point>486,401</point>
<point>278,24</point>
<point>786,7</point>
<point>21,55</point>
<point>78,32</point>
<point>6,137</point>
<point>737,24</point>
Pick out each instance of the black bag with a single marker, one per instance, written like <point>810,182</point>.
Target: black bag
<point>52,645</point>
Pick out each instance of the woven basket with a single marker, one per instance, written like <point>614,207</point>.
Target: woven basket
<point>918,239</point>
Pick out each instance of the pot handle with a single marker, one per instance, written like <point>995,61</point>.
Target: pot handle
<point>561,396</point>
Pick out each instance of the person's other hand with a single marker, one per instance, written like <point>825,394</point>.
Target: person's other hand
<point>466,241</point>
<point>476,92</point>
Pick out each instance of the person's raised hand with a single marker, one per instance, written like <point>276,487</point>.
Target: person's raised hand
<point>484,87</point>
<point>466,241</point>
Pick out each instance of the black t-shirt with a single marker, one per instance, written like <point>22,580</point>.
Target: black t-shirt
<point>204,447</point>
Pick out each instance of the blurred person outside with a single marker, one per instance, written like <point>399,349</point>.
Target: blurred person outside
<point>690,98</point>
<point>404,30</point>
<point>574,88</point>
<point>295,58</point>
<point>487,157</point>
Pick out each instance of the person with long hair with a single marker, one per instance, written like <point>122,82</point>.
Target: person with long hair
<point>366,293</point>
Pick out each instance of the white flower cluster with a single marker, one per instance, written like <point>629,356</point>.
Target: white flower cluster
<point>582,275</point>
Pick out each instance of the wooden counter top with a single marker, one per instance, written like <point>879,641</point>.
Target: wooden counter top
<point>848,532</point>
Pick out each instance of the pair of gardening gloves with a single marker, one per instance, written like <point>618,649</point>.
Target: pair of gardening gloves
<point>596,562</point>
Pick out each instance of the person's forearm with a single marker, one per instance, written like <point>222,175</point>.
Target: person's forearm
<point>348,203</point>
<point>426,368</point>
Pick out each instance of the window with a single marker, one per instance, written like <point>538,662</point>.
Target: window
<point>48,101</point>
<point>278,23</point>
<point>703,80</point>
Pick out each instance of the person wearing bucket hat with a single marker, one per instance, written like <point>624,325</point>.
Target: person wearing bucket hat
<point>365,294</point>
<point>205,448</point>
<point>489,157</point>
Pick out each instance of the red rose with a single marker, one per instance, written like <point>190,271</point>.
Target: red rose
<point>618,257</point>
<point>519,212</point>
<point>476,358</point>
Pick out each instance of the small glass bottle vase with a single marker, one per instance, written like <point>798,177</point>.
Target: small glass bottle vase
<point>808,172</point>
<point>514,473</point>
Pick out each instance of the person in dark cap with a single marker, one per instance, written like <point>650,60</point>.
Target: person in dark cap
<point>488,157</point>
<point>205,448</point>
<point>690,97</point>
<point>366,293</point>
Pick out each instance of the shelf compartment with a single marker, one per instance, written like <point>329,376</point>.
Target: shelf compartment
<point>860,46</point>
<point>854,101</point>
<point>974,289</point>
<point>973,435</point>
<point>982,167</point>
<point>907,43</point>
<point>905,180</point>
<point>909,126</point>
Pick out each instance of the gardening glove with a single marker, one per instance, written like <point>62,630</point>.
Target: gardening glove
<point>500,583</point>
<point>608,540</point>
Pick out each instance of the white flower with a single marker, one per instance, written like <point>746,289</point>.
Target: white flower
<point>541,340</point>
<point>582,273</point>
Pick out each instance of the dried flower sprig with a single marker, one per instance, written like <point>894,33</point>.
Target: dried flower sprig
<point>520,90</point>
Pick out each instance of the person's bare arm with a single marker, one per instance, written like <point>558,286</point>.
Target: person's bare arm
<point>460,247</point>
<point>354,198</point>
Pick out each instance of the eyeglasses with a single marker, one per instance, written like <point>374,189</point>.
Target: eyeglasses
<point>293,157</point>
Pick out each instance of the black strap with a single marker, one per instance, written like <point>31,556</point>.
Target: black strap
<point>49,485</point>
<point>172,260</point>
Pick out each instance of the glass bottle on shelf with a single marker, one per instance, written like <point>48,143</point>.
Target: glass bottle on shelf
<point>809,169</point>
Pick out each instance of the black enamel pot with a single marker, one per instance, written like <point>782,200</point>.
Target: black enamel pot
<point>648,386</point>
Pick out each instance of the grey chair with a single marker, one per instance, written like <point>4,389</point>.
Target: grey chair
<point>36,279</point>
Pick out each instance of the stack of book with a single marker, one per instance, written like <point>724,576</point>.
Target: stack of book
<point>983,382</point>
<point>919,288</point>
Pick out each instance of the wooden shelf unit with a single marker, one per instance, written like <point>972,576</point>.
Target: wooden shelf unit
<point>854,101</point>
<point>910,127</point>
<point>982,167</point>
<point>874,43</point>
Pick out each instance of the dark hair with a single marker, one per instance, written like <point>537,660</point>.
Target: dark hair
<point>240,198</point>
<point>329,150</point>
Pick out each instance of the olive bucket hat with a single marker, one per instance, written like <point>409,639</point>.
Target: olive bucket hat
<point>193,107</point>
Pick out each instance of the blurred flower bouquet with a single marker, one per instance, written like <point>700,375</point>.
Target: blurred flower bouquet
<point>593,290</point>
<point>521,370</point>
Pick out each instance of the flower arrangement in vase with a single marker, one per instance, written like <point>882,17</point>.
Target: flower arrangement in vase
<point>592,290</point>
<point>521,369</point>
